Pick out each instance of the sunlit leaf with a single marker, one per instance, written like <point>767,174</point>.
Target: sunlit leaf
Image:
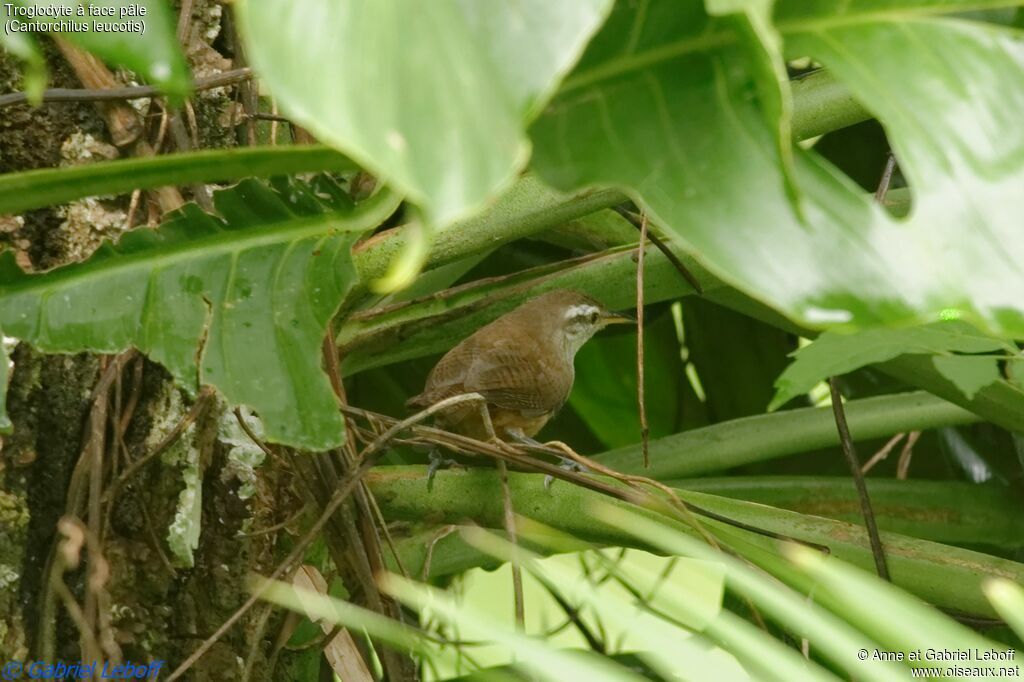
<point>970,374</point>
<point>544,662</point>
<point>835,353</point>
<point>1008,598</point>
<point>907,625</point>
<point>431,95</point>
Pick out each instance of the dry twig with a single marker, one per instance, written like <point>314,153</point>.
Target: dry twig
<point>858,479</point>
<point>641,405</point>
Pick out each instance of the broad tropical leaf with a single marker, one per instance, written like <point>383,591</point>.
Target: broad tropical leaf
<point>665,103</point>
<point>434,95</point>
<point>240,302</point>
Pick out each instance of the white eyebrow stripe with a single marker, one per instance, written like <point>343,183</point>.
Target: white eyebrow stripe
<point>581,310</point>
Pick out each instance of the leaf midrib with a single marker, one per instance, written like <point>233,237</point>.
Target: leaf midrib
<point>723,36</point>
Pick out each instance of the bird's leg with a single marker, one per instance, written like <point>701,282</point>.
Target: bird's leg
<point>566,463</point>
<point>492,437</point>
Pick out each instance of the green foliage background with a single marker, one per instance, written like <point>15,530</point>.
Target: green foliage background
<point>752,134</point>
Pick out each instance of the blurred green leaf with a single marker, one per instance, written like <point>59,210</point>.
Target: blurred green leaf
<point>664,104</point>
<point>829,632</point>
<point>318,606</point>
<point>1008,598</point>
<point>433,96</point>
<point>684,606</point>
<point>241,302</point>
<point>835,353</point>
<point>546,663</point>
<point>906,624</point>
<point>145,43</point>
<point>24,47</point>
<point>763,45</point>
<point>969,373</point>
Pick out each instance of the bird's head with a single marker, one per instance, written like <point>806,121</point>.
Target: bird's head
<point>574,317</point>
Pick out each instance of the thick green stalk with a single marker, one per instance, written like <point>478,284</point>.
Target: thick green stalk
<point>825,105</point>
<point>767,436</point>
<point>954,512</point>
<point>529,207</point>
<point>943,575</point>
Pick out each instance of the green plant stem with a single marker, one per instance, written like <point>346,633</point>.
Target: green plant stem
<point>1000,402</point>
<point>34,189</point>
<point>951,512</point>
<point>825,105</point>
<point>946,576</point>
<point>954,512</point>
<point>529,207</point>
<point>768,436</point>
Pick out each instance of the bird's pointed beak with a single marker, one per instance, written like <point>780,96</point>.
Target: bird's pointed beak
<point>617,318</point>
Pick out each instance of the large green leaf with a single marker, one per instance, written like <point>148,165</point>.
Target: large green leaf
<point>432,95</point>
<point>240,302</point>
<point>837,353</point>
<point>145,42</point>
<point>673,116</point>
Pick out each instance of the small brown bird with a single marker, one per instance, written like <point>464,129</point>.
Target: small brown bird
<point>521,363</point>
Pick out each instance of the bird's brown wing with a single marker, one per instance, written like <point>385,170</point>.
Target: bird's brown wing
<point>514,374</point>
<point>505,364</point>
<point>448,375</point>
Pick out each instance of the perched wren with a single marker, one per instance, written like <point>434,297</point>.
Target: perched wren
<point>521,363</point>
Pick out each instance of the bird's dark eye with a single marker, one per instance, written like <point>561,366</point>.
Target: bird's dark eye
<point>593,317</point>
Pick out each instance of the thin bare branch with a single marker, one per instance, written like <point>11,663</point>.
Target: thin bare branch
<point>641,405</point>
<point>134,92</point>
<point>637,222</point>
<point>858,479</point>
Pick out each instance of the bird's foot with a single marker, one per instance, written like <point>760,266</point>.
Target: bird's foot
<point>437,461</point>
<point>566,464</point>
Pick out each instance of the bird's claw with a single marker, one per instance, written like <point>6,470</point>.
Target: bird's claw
<point>566,464</point>
<point>438,462</point>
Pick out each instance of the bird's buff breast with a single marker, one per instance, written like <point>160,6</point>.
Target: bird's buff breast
<point>468,421</point>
